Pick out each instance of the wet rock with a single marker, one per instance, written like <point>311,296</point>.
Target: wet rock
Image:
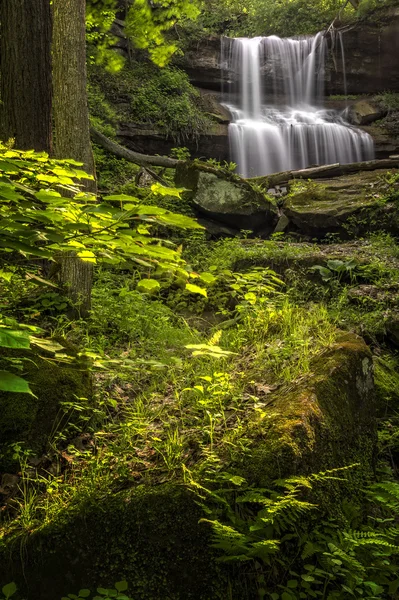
<point>227,198</point>
<point>148,140</point>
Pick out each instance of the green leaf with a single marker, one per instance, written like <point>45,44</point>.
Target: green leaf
<point>121,198</point>
<point>84,593</point>
<point>148,286</point>
<point>207,278</point>
<point>195,289</point>
<point>292,583</point>
<point>49,345</point>
<point>12,383</point>
<point>121,586</point>
<point>6,275</point>
<point>9,589</point>
<point>274,596</point>
<point>14,339</point>
<point>307,578</point>
<point>48,196</point>
<point>335,265</point>
<point>324,272</point>
<point>161,190</point>
<point>87,256</point>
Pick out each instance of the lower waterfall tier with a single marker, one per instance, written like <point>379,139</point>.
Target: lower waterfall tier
<point>294,138</point>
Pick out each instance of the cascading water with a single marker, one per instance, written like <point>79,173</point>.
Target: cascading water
<point>275,100</point>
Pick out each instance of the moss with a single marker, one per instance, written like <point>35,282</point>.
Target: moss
<point>32,420</point>
<point>150,537</point>
<point>351,205</point>
<point>323,421</point>
<point>226,197</point>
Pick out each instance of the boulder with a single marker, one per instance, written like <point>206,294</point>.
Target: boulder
<point>324,420</point>
<point>32,420</point>
<point>349,205</point>
<point>227,198</point>
<point>363,112</point>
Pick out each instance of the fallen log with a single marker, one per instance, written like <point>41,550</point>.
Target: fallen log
<point>325,171</point>
<point>143,160</point>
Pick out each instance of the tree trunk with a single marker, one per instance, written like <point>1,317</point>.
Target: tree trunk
<point>326,171</point>
<point>25,63</point>
<point>134,157</point>
<point>71,123</point>
<point>71,113</point>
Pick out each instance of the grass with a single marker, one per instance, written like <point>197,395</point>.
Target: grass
<point>165,412</point>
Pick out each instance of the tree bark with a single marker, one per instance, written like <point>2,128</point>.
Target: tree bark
<point>25,63</point>
<point>71,113</point>
<point>135,157</point>
<point>71,124</point>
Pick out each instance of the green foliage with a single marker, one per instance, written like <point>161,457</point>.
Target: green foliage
<point>8,590</point>
<point>170,102</point>
<point>340,270</point>
<point>38,221</point>
<point>145,94</point>
<point>323,558</point>
<point>116,593</point>
<point>146,24</point>
<point>266,17</point>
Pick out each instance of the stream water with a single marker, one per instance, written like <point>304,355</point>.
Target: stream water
<point>276,101</point>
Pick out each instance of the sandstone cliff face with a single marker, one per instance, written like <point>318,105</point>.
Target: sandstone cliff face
<point>371,57</point>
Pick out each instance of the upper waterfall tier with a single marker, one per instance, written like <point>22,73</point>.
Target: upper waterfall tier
<point>275,97</point>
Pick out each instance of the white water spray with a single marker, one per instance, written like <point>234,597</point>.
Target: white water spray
<point>278,122</point>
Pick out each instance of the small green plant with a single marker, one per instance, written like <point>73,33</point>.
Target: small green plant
<point>339,270</point>
<point>8,591</point>
<point>116,593</point>
<point>181,153</point>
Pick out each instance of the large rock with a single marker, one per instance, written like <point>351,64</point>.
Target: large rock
<point>31,420</point>
<point>227,198</point>
<point>363,112</point>
<point>349,205</point>
<point>325,420</point>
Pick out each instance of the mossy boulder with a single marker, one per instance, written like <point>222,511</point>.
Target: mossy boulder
<point>32,419</point>
<point>227,198</point>
<point>149,536</point>
<point>363,112</point>
<point>349,205</point>
<point>325,420</point>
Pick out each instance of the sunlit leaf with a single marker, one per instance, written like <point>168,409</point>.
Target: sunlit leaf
<point>195,289</point>
<point>12,383</point>
<point>148,285</point>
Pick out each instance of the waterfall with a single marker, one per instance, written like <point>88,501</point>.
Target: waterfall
<point>275,99</point>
